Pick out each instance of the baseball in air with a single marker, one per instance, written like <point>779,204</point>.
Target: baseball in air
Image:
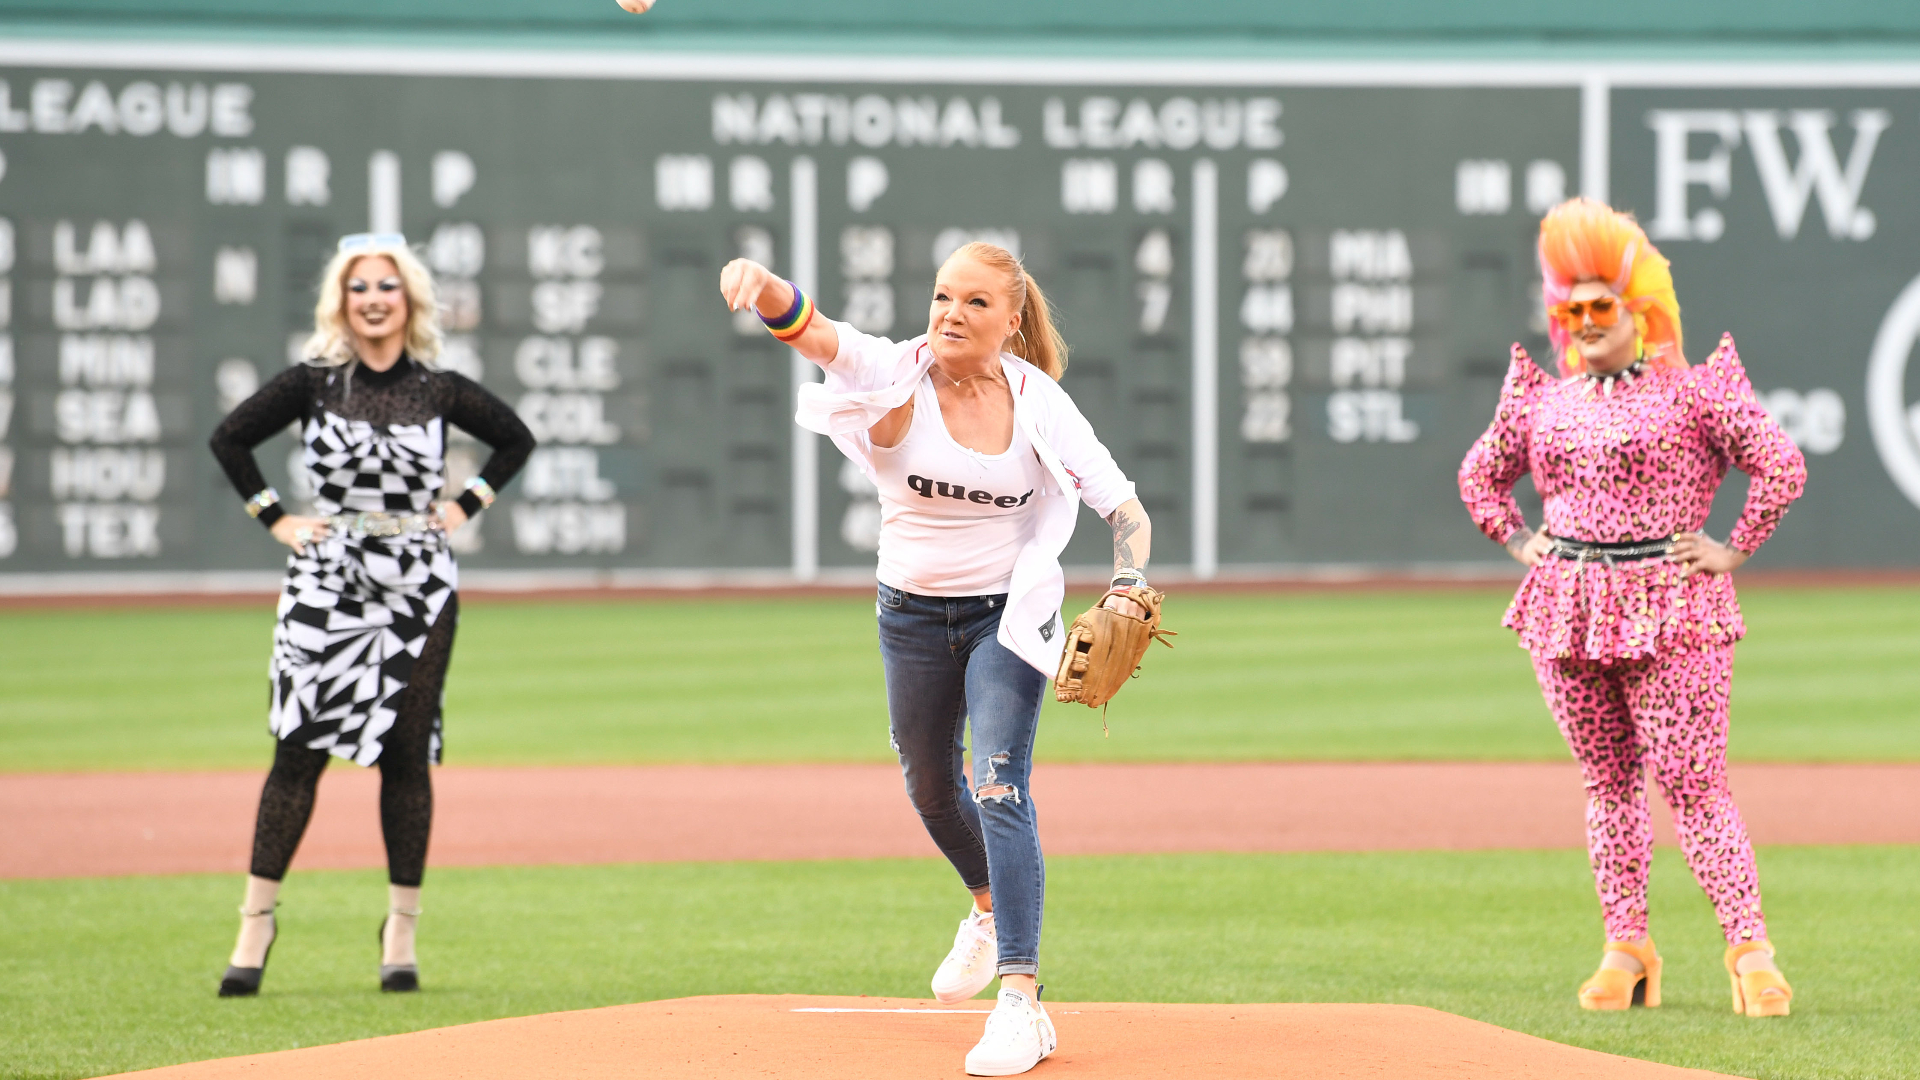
<point>638,7</point>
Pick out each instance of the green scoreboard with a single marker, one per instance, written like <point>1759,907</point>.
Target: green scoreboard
<point>1289,289</point>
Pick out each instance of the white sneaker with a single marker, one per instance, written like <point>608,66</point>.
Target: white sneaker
<point>1019,1034</point>
<point>970,966</point>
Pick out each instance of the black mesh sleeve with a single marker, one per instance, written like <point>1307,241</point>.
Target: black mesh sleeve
<point>279,403</point>
<point>480,413</point>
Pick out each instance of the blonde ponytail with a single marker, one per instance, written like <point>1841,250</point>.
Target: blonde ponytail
<point>1037,342</point>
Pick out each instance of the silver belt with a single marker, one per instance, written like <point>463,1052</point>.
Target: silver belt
<point>1588,551</point>
<point>381,523</point>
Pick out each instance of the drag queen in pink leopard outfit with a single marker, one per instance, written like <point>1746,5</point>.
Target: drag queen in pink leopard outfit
<point>1628,608</point>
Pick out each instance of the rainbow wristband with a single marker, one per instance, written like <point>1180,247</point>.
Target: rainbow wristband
<point>796,319</point>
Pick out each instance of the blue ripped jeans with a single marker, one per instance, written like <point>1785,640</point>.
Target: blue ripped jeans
<point>944,667</point>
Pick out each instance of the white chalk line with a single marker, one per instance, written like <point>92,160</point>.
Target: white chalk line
<point>941,1011</point>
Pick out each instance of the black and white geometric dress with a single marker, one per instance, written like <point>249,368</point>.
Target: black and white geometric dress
<point>355,611</point>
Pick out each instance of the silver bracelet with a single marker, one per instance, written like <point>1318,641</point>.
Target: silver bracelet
<point>482,490</point>
<point>1128,574</point>
<point>261,499</point>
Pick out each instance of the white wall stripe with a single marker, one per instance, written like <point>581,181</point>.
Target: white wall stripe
<point>383,192</point>
<point>1206,369</point>
<point>1596,137</point>
<point>747,66</point>
<point>804,258</point>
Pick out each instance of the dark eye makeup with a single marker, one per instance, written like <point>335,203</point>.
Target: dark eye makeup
<point>940,295</point>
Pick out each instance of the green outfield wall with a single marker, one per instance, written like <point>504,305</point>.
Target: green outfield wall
<point>1290,281</point>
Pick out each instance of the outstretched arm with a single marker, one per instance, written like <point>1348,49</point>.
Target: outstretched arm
<point>745,283</point>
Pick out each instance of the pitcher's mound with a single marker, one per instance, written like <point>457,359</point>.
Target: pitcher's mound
<point>817,1038</point>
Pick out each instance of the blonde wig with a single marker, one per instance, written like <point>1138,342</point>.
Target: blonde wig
<point>1037,342</point>
<point>1584,240</point>
<point>332,343</point>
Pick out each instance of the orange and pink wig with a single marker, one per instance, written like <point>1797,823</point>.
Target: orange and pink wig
<point>1583,240</point>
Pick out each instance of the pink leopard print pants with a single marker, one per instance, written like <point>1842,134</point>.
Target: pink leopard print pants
<point>1667,712</point>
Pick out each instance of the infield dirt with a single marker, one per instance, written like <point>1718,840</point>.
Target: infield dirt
<point>815,1038</point>
<point>164,823</point>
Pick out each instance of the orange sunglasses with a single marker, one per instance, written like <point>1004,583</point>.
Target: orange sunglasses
<point>1572,314</point>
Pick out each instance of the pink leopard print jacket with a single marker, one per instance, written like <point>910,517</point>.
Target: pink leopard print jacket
<point>1641,463</point>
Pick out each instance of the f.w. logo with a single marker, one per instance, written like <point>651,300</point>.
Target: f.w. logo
<point>1788,185</point>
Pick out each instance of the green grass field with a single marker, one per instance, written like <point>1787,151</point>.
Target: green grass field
<point>99,975</point>
<point>1826,675</point>
<point>109,974</point>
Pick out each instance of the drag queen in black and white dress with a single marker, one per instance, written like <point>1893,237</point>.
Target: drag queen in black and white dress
<point>369,607</point>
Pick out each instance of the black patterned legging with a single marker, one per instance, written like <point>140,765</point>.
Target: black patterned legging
<point>406,786</point>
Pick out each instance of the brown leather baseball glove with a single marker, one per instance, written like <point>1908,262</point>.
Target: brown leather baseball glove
<point>1104,647</point>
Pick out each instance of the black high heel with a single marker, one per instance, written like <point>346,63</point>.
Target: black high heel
<point>397,978</point>
<point>245,981</point>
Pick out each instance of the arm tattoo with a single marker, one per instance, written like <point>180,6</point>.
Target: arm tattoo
<point>1123,529</point>
<point>1519,539</point>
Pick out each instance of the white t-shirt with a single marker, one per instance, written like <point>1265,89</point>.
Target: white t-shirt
<point>870,377</point>
<point>952,519</point>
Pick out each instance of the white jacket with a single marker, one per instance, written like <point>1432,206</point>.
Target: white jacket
<point>871,376</point>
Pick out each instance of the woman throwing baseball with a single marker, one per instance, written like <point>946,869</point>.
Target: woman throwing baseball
<point>367,613</point>
<point>1628,608</point>
<point>980,458</point>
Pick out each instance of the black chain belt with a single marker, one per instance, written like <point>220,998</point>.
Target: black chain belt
<point>1588,551</point>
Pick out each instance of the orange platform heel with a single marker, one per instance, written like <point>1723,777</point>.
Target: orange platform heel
<point>1616,988</point>
<point>1757,993</point>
